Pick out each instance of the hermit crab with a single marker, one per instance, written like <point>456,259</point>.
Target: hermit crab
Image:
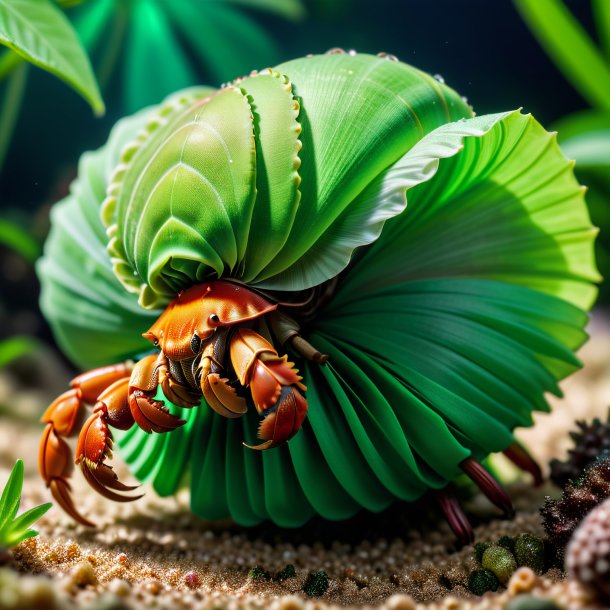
<point>426,270</point>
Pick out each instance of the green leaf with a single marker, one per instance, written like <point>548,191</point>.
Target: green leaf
<point>601,14</point>
<point>208,30</point>
<point>11,496</point>
<point>18,531</point>
<point>20,240</point>
<point>38,31</point>
<point>290,9</point>
<point>15,347</point>
<point>585,137</point>
<point>153,49</point>
<point>570,47</point>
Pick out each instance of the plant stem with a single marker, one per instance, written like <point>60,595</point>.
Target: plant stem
<point>8,62</point>
<point>10,108</point>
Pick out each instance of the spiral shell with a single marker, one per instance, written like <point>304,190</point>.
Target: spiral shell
<point>465,255</point>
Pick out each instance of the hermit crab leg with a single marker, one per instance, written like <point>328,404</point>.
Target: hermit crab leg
<point>520,457</point>
<point>488,485</point>
<point>274,384</point>
<point>287,331</point>
<point>149,413</point>
<point>219,395</point>
<point>64,418</point>
<point>174,391</point>
<point>94,444</point>
<point>456,518</point>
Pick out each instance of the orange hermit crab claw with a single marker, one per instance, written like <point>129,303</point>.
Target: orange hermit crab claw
<point>94,446</point>
<point>150,414</point>
<point>55,466</point>
<point>105,481</point>
<point>283,421</point>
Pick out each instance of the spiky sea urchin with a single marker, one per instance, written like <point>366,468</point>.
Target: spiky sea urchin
<point>591,441</point>
<point>588,553</point>
<point>561,517</point>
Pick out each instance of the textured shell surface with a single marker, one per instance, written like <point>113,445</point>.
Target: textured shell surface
<point>260,196</point>
<point>463,244</point>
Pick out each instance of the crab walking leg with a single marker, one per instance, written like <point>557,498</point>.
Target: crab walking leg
<point>64,418</point>
<point>456,518</point>
<point>488,485</point>
<point>521,458</point>
<point>274,384</point>
<point>176,392</point>
<point>94,444</point>
<point>149,413</point>
<point>219,395</point>
<point>287,331</point>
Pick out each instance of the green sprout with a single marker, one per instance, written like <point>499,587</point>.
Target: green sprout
<point>14,530</point>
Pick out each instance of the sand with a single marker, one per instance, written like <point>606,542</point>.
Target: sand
<point>154,553</point>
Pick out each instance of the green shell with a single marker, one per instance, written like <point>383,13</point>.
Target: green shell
<point>467,251</point>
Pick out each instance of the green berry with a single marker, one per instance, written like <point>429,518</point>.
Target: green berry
<point>500,561</point>
<point>479,549</point>
<point>508,542</point>
<point>481,581</point>
<point>529,551</point>
<point>259,573</point>
<point>287,572</point>
<point>316,583</point>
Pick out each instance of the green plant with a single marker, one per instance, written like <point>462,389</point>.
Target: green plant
<point>176,40</point>
<point>13,529</point>
<point>136,38</point>
<point>15,347</point>
<point>38,31</point>
<point>584,135</point>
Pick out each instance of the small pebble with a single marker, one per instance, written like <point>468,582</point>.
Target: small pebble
<point>529,551</point>
<point>400,602</point>
<point>119,587</point>
<point>153,587</point>
<point>529,602</point>
<point>522,581</point>
<point>500,561</point>
<point>192,580</point>
<point>316,583</point>
<point>290,602</point>
<point>287,572</point>
<point>83,574</point>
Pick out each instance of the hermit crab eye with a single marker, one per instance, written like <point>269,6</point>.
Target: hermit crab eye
<point>156,342</point>
<point>196,343</point>
<point>214,319</point>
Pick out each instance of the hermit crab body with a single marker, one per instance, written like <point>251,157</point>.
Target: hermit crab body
<point>268,221</point>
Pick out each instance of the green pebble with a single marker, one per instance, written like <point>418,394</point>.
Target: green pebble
<point>529,602</point>
<point>259,573</point>
<point>508,542</point>
<point>287,572</point>
<point>316,583</point>
<point>529,551</point>
<point>481,581</point>
<point>479,549</point>
<point>500,561</point>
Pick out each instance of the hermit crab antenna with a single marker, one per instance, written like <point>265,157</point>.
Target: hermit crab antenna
<point>488,485</point>
<point>520,457</point>
<point>456,518</point>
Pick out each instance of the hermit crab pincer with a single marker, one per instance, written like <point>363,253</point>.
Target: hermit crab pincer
<point>266,223</point>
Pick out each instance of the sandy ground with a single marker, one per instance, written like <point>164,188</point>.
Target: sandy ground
<point>154,553</point>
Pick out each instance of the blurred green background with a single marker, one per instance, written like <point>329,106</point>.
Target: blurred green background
<point>142,50</point>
